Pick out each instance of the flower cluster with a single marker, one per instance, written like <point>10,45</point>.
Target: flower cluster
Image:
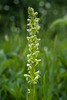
<point>33,43</point>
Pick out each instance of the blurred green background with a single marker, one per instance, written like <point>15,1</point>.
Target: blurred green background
<point>52,84</point>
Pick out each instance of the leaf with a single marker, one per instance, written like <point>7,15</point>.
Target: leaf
<point>63,74</point>
<point>57,22</point>
<point>5,64</point>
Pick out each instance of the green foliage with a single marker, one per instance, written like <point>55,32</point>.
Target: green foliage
<point>52,84</point>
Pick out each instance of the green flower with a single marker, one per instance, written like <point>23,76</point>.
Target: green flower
<point>33,44</point>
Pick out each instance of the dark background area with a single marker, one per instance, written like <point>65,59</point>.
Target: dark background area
<point>49,10</point>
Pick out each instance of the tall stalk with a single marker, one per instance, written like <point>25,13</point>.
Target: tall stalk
<point>33,43</point>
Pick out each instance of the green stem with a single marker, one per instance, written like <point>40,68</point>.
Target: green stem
<point>32,91</point>
<point>32,86</point>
